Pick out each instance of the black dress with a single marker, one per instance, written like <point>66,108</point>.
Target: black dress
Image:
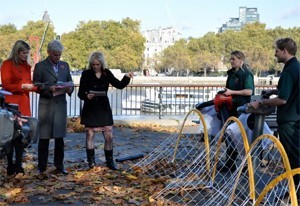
<point>96,112</point>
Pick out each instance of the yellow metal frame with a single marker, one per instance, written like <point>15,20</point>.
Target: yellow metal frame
<point>206,140</point>
<point>292,192</point>
<point>283,154</point>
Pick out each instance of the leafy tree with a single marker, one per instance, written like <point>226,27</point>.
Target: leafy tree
<point>39,29</point>
<point>8,29</point>
<point>205,61</point>
<point>8,35</point>
<point>177,57</point>
<point>259,59</point>
<point>116,40</point>
<point>123,45</point>
<point>80,43</point>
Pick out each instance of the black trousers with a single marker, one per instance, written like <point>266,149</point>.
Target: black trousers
<point>289,135</point>
<point>43,152</point>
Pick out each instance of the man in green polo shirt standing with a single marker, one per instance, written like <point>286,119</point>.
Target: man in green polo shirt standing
<point>287,101</point>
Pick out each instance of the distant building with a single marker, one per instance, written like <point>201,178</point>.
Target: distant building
<point>246,16</point>
<point>156,41</point>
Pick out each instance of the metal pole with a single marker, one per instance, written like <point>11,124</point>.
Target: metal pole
<point>46,18</point>
<point>160,103</point>
<point>43,40</point>
<point>257,131</point>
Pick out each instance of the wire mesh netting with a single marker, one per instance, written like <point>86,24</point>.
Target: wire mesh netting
<point>198,168</point>
<point>177,153</point>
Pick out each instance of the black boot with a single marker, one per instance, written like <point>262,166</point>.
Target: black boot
<point>90,153</point>
<point>109,160</point>
<point>19,149</point>
<point>10,170</point>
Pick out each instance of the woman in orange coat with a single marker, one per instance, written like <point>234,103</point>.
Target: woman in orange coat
<point>16,78</point>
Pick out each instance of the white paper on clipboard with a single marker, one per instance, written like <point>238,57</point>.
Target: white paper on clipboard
<point>98,93</point>
<point>62,87</point>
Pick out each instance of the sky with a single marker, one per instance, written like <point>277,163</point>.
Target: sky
<point>193,18</point>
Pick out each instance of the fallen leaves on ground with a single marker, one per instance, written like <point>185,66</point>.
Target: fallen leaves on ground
<point>95,186</point>
<point>98,186</point>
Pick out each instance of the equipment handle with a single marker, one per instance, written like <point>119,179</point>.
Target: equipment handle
<point>204,104</point>
<point>132,157</point>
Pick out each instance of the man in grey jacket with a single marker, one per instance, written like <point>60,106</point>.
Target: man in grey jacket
<point>55,82</point>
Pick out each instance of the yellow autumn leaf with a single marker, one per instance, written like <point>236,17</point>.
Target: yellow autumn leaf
<point>78,175</point>
<point>12,192</point>
<point>131,177</point>
<point>151,200</point>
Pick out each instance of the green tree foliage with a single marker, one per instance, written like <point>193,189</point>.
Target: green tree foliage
<point>121,43</point>
<point>213,50</point>
<point>8,34</point>
<point>38,29</point>
<point>80,43</point>
<point>205,62</point>
<point>8,29</point>
<point>176,57</point>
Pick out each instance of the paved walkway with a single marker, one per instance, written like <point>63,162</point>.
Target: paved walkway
<point>130,139</point>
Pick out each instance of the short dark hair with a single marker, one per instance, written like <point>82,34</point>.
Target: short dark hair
<point>287,43</point>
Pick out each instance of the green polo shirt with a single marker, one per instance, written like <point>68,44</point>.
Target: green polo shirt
<point>289,90</point>
<point>239,80</point>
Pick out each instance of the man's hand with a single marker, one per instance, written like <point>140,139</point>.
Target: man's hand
<point>254,104</point>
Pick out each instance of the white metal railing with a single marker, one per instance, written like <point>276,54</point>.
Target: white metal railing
<point>141,99</point>
<point>148,99</point>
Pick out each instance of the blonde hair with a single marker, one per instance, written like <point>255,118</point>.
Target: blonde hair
<point>100,57</point>
<point>18,47</point>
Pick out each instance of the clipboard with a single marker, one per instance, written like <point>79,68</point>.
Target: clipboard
<point>64,85</point>
<point>98,93</point>
<point>39,84</point>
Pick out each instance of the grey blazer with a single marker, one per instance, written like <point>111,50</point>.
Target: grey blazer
<point>52,111</point>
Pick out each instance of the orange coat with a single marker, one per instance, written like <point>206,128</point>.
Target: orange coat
<point>12,77</point>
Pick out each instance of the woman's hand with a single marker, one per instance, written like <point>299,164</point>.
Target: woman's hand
<point>27,86</point>
<point>90,96</point>
<point>228,92</point>
<point>130,75</point>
